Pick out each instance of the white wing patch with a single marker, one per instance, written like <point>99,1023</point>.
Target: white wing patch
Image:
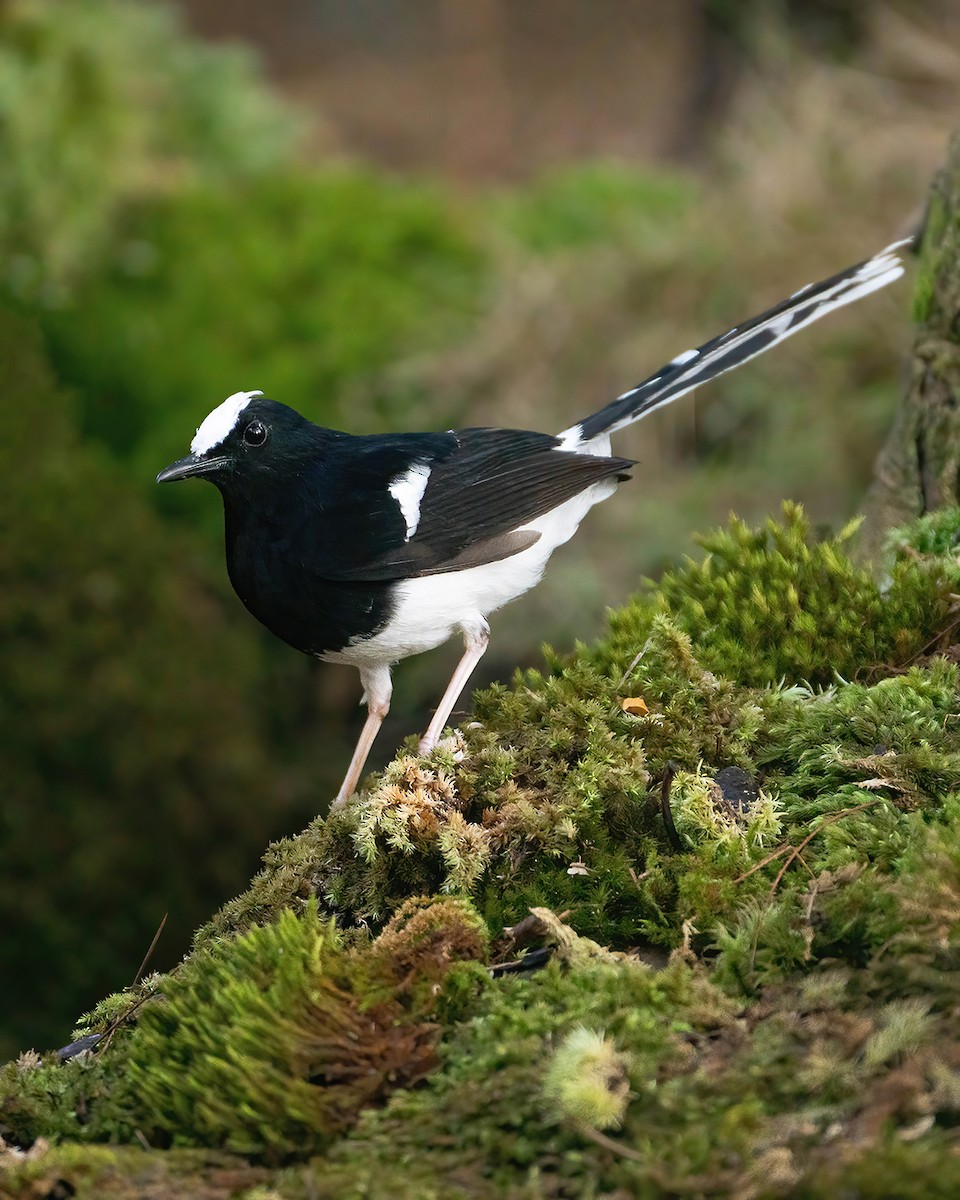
<point>407,489</point>
<point>570,438</point>
<point>218,425</point>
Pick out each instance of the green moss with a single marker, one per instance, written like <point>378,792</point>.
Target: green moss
<point>935,533</point>
<point>924,288</point>
<point>126,1173</point>
<point>267,1044</point>
<point>804,1027</point>
<point>702,813</point>
<point>551,796</point>
<point>774,604</point>
<point>939,232</point>
<point>588,1081</point>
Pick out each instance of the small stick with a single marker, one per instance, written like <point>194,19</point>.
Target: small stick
<point>828,820</point>
<point>150,950</point>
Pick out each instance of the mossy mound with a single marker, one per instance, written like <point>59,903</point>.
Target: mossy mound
<point>552,795</point>
<point>744,802</point>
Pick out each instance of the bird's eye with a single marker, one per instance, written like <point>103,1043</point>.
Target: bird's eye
<point>255,433</point>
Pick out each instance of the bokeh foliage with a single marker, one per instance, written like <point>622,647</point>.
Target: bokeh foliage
<point>124,754</point>
<point>306,284</point>
<point>104,103</point>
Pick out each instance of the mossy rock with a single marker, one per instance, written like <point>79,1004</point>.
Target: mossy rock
<point>749,823</point>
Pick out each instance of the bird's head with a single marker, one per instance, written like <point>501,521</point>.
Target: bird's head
<point>246,438</point>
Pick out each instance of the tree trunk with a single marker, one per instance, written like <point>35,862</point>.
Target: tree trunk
<point>918,469</point>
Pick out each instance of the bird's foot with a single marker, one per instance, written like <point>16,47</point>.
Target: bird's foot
<point>453,744</point>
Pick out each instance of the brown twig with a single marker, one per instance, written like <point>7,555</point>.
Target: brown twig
<point>933,641</point>
<point>150,950</point>
<point>608,1143</point>
<point>764,862</point>
<point>115,1025</point>
<point>828,820</point>
<point>796,851</point>
<point>691,1185</point>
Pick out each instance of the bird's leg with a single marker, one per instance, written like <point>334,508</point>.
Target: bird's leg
<point>377,689</point>
<point>475,640</point>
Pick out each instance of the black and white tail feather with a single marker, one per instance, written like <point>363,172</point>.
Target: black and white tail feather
<point>694,367</point>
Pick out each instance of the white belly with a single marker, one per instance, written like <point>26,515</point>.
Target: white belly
<point>430,609</point>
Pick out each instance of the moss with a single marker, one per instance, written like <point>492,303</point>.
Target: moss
<point>588,1080</point>
<point>702,812</point>
<point>772,604</point>
<point>267,1044</point>
<point>935,533</point>
<point>801,1028</point>
<point>925,285</point>
<point>551,797</point>
<point>125,1173</point>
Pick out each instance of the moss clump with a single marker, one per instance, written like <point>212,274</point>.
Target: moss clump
<point>552,798</point>
<point>706,816</point>
<point>267,1044</point>
<point>772,604</point>
<point>128,1173</point>
<point>416,813</point>
<point>588,1080</point>
<point>935,533</point>
<point>233,1053</point>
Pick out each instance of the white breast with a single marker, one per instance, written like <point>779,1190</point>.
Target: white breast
<point>430,609</point>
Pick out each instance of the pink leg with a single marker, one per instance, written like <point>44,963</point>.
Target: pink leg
<point>475,641</point>
<point>377,689</point>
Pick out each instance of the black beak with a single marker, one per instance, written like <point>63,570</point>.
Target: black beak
<point>193,464</point>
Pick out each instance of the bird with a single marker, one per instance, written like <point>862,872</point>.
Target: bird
<point>368,549</point>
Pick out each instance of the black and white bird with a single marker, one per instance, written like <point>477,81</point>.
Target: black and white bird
<point>367,550</point>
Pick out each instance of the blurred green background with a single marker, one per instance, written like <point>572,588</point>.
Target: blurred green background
<point>389,218</point>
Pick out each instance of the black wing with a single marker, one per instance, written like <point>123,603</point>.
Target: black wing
<point>483,486</point>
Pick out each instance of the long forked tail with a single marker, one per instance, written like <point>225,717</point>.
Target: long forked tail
<point>694,367</point>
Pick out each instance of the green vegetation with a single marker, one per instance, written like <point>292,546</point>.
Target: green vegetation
<point>322,282</point>
<point>105,103</point>
<point>116,729</point>
<point>801,1037</point>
